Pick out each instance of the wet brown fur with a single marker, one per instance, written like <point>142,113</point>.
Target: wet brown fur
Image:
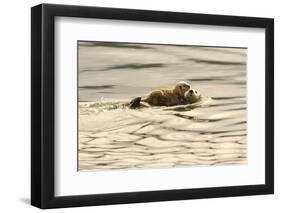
<point>165,97</point>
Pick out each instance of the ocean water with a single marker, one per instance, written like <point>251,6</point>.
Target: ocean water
<point>211,132</point>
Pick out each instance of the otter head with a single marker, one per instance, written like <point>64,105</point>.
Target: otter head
<point>192,96</point>
<point>181,87</point>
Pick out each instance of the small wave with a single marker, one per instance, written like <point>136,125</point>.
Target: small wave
<point>97,87</point>
<point>228,98</point>
<point>224,50</point>
<point>101,106</point>
<point>112,45</point>
<point>125,66</point>
<point>216,62</point>
<point>204,101</point>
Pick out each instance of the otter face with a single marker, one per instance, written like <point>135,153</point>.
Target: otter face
<point>182,87</point>
<point>192,96</point>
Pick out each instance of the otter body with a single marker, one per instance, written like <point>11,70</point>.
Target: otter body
<point>163,97</point>
<point>167,97</point>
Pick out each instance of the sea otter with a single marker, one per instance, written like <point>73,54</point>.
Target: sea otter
<point>163,97</point>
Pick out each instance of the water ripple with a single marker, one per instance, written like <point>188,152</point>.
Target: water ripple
<point>211,132</point>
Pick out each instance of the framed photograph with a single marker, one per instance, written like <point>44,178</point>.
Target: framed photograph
<point>136,106</point>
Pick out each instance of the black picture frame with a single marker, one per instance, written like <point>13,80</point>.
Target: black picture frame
<point>43,102</point>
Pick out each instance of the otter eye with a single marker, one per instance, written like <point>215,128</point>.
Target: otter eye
<point>195,91</point>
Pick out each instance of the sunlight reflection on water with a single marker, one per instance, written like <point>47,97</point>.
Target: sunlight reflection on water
<point>114,137</point>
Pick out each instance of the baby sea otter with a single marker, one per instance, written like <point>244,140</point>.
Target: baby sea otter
<point>191,96</point>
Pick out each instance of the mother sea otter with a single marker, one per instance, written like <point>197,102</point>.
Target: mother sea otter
<point>163,97</point>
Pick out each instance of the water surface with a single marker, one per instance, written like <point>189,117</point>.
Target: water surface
<point>212,132</point>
